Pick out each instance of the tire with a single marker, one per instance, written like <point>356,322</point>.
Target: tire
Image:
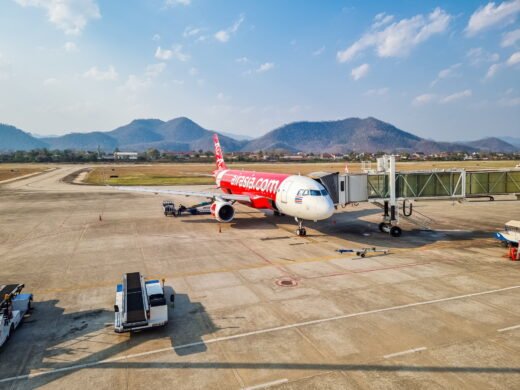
<point>381,226</point>
<point>395,231</point>
<point>363,255</point>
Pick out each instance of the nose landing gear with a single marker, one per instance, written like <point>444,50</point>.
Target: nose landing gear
<point>301,230</point>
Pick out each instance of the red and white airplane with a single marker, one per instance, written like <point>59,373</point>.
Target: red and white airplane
<point>297,196</point>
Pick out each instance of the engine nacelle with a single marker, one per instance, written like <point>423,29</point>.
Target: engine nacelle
<point>223,211</point>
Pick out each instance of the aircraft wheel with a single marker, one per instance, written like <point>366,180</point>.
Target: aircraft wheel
<point>395,231</point>
<point>381,226</point>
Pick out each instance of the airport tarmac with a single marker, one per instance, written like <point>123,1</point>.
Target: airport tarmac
<point>442,310</point>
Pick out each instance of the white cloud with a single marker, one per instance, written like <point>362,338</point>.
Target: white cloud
<point>155,70</point>
<point>163,54</point>
<point>99,75</point>
<point>70,47</point>
<point>399,38</point>
<point>267,66</point>
<point>377,92</point>
<point>446,73</point>
<point>172,3</point>
<point>509,102</point>
<point>382,19</point>
<point>222,97</point>
<point>493,69</point>
<point>318,51</point>
<point>510,38</point>
<point>456,96</point>
<point>135,83</point>
<point>514,59</point>
<point>477,56</point>
<point>242,60</point>
<point>156,37</point>
<point>426,98</point>
<point>492,15</point>
<point>193,71</point>
<point>70,16</point>
<point>224,35</point>
<point>191,31</point>
<point>175,52</point>
<point>360,72</point>
<point>49,82</point>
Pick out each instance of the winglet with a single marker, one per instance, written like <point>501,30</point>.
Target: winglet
<point>219,156</point>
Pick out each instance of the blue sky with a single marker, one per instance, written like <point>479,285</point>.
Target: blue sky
<point>440,69</point>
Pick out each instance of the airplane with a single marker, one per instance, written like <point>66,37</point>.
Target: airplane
<point>297,196</point>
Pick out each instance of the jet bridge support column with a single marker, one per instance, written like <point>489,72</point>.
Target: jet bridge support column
<point>391,207</point>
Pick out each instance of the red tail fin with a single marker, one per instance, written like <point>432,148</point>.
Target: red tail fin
<point>219,156</point>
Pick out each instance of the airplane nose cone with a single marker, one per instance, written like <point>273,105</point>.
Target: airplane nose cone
<point>324,209</point>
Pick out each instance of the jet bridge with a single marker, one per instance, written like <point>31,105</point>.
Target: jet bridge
<point>386,187</point>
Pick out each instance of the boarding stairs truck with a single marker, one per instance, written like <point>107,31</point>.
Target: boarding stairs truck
<point>140,304</point>
<point>13,307</point>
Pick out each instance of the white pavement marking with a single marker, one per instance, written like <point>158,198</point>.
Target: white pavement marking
<point>391,355</point>
<point>509,328</point>
<point>252,333</point>
<point>267,384</point>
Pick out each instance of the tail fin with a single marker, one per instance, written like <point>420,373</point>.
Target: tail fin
<point>219,156</point>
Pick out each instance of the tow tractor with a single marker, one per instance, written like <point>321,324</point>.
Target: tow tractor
<point>363,251</point>
<point>140,304</point>
<point>13,307</point>
<point>169,208</point>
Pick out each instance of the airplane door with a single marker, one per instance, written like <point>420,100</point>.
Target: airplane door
<point>343,192</point>
<point>285,189</point>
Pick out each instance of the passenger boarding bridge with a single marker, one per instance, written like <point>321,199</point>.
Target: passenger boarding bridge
<point>386,187</point>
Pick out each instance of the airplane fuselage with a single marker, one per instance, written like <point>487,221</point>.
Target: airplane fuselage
<point>294,195</point>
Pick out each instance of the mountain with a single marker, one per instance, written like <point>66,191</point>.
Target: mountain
<point>179,134</point>
<point>352,134</point>
<point>515,141</point>
<point>12,138</point>
<point>83,141</point>
<point>238,137</point>
<point>182,134</point>
<point>493,144</point>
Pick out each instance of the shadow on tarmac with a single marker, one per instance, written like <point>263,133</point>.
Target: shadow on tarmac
<point>51,340</point>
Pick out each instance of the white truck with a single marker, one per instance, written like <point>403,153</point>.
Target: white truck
<point>140,304</point>
<point>13,307</point>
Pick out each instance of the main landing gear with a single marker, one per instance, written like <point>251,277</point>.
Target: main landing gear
<point>301,230</point>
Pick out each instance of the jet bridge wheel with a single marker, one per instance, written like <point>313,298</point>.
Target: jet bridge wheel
<point>395,231</point>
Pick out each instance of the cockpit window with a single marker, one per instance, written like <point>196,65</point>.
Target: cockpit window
<point>312,192</point>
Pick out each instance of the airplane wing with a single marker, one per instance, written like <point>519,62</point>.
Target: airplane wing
<point>208,195</point>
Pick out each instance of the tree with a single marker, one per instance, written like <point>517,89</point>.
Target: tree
<point>153,154</point>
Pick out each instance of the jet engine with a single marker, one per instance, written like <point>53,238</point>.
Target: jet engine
<point>223,211</point>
